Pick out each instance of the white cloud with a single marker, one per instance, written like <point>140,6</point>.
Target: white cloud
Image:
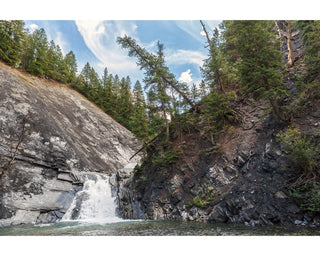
<point>212,24</point>
<point>33,27</point>
<point>100,37</point>
<point>181,57</point>
<point>185,77</point>
<point>59,40</point>
<point>192,27</point>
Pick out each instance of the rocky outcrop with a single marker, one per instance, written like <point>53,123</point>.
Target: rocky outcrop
<point>247,183</point>
<point>50,135</point>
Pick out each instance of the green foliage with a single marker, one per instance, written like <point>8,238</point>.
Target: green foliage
<point>12,41</point>
<point>26,79</point>
<point>206,195</point>
<point>36,61</point>
<point>33,53</point>
<point>162,88</point>
<point>138,121</point>
<point>256,47</point>
<point>115,98</point>
<point>307,195</point>
<point>141,181</point>
<point>310,31</point>
<point>217,111</point>
<point>305,99</point>
<point>304,153</point>
<point>167,158</point>
<point>196,201</point>
<point>217,70</point>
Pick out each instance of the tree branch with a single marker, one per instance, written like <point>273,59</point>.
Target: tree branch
<point>20,139</point>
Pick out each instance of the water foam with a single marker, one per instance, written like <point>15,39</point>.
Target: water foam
<point>94,203</point>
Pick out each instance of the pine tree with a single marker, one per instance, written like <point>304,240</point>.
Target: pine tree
<point>124,104</point>
<point>260,60</point>
<point>55,67</point>
<point>36,54</point>
<point>12,40</point>
<point>152,64</point>
<point>109,97</point>
<point>139,120</point>
<point>71,62</point>
<point>212,68</point>
<point>310,31</point>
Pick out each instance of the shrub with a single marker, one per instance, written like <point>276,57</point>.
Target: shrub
<point>308,196</point>
<point>167,158</point>
<point>303,152</point>
<point>206,195</point>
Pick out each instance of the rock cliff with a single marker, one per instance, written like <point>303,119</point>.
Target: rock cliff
<point>50,136</point>
<point>245,179</point>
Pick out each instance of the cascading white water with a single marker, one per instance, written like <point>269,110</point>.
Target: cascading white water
<point>94,203</point>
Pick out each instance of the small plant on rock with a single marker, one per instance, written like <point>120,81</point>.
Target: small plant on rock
<point>304,153</point>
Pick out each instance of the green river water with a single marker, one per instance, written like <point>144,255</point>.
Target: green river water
<point>152,228</point>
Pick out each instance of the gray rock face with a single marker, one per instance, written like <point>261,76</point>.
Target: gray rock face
<point>53,135</point>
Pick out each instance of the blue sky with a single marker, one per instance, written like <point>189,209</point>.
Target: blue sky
<point>94,41</point>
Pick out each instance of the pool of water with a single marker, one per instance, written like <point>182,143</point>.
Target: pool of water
<point>152,228</point>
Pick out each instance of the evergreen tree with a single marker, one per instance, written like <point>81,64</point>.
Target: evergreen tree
<point>139,119</point>
<point>55,66</point>
<point>212,68</point>
<point>310,31</point>
<point>109,97</point>
<point>36,61</point>
<point>153,64</point>
<point>12,40</point>
<point>71,64</point>
<point>124,104</point>
<point>260,60</point>
<point>218,71</point>
<point>159,100</point>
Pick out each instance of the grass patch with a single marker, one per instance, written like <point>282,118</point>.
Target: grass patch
<point>26,79</point>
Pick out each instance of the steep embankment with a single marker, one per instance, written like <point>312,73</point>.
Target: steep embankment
<point>244,178</point>
<point>248,181</point>
<point>49,136</point>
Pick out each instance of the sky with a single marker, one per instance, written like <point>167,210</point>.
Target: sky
<point>94,41</point>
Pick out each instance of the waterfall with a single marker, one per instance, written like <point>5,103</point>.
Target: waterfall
<point>94,203</point>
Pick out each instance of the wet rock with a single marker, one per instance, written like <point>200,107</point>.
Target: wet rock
<point>47,217</point>
<point>25,217</point>
<point>65,177</point>
<point>137,213</point>
<point>218,215</point>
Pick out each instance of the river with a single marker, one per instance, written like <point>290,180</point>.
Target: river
<point>151,228</point>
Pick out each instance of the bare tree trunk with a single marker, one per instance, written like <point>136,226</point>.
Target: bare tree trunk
<point>207,35</point>
<point>287,35</point>
<point>220,85</point>
<point>289,44</point>
<point>279,32</point>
